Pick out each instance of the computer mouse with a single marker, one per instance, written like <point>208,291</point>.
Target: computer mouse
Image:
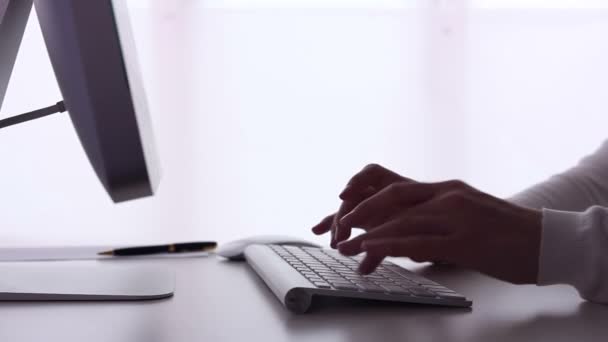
<point>234,250</point>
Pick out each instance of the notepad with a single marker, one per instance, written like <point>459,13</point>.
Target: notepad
<point>79,253</point>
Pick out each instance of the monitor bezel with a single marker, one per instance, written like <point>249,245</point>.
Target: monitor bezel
<point>86,51</point>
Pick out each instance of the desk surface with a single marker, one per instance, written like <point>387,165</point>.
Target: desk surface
<point>217,300</point>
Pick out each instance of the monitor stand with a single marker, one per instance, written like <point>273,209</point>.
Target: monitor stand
<point>53,282</point>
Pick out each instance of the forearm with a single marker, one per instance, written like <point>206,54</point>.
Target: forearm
<point>574,190</point>
<point>574,242</point>
<point>569,192</point>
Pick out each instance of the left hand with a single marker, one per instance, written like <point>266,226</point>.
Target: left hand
<point>450,222</point>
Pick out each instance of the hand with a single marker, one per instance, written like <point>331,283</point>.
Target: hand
<point>372,179</point>
<point>450,222</point>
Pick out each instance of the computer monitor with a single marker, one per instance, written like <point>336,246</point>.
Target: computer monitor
<point>92,50</point>
<point>93,56</point>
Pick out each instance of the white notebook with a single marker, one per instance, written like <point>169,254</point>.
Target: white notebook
<point>96,282</point>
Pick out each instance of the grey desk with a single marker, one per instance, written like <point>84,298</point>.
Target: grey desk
<point>222,301</point>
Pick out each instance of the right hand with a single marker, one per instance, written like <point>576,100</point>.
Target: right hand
<point>369,181</point>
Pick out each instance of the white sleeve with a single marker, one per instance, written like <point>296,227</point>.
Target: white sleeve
<point>574,243</point>
<point>574,251</point>
<point>577,189</point>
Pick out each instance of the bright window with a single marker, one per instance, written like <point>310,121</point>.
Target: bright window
<point>262,115</point>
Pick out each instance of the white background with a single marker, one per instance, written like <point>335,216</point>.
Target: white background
<point>263,110</point>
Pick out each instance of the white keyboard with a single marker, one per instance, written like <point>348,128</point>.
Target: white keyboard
<point>295,274</point>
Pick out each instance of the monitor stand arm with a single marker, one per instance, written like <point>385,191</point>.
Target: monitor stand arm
<point>37,114</point>
<point>14,15</point>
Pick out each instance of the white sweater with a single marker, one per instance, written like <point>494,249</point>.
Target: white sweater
<point>574,243</point>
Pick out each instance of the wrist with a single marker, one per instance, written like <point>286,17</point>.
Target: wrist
<point>528,227</point>
<point>534,219</point>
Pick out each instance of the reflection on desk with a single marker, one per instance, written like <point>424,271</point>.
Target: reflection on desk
<point>216,300</point>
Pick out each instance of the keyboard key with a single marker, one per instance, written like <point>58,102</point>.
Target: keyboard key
<point>450,295</point>
<point>349,272</point>
<point>332,276</point>
<point>396,289</point>
<point>328,272</point>
<point>385,282</point>
<point>346,286</point>
<point>321,267</point>
<point>374,289</point>
<point>445,291</point>
<point>411,276</point>
<point>322,285</point>
<point>420,292</point>
<point>342,268</point>
<point>436,288</point>
<point>314,264</point>
<point>336,281</point>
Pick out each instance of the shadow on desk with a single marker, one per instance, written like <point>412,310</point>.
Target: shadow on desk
<point>550,317</point>
<point>501,312</point>
<point>587,322</point>
<point>85,321</point>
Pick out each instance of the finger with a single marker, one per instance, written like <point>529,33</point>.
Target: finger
<point>418,248</point>
<point>324,226</point>
<point>373,177</point>
<point>397,196</point>
<point>363,185</point>
<point>336,231</point>
<point>340,233</point>
<point>370,262</point>
<point>400,227</point>
<point>350,191</point>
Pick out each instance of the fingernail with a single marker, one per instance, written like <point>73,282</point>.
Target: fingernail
<point>346,192</point>
<point>315,229</point>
